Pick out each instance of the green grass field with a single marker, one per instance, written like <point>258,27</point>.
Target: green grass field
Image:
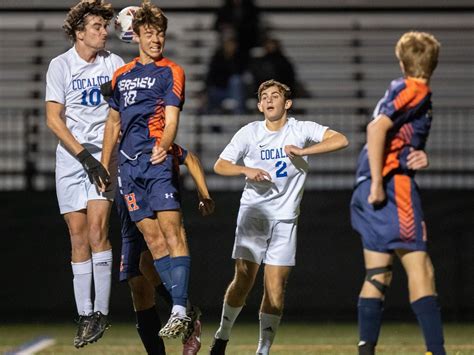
<point>292,338</point>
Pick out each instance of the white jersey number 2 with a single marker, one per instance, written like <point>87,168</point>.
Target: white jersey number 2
<point>281,172</point>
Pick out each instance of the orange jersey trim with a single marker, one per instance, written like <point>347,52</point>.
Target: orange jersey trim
<point>156,123</point>
<point>411,95</point>
<point>406,214</point>
<point>123,69</point>
<point>178,76</point>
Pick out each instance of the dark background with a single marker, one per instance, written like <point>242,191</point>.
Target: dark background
<point>37,282</point>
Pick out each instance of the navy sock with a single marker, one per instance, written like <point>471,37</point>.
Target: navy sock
<point>428,314</point>
<point>148,326</point>
<point>370,319</point>
<point>163,267</point>
<point>164,294</point>
<point>180,267</point>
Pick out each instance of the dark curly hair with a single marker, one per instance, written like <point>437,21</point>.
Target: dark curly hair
<point>149,15</point>
<point>75,19</point>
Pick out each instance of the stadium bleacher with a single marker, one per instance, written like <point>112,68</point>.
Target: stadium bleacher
<point>344,60</point>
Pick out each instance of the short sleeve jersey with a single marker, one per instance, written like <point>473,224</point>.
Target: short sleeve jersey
<point>407,103</point>
<point>75,83</point>
<point>261,148</point>
<point>140,95</point>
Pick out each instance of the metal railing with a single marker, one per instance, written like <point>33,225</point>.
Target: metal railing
<point>27,149</point>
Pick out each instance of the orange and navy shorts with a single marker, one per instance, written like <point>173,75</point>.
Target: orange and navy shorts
<point>397,223</point>
<point>149,188</point>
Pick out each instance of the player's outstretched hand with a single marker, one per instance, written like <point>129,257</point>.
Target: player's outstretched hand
<point>377,194</point>
<point>293,150</point>
<point>417,159</point>
<point>98,175</point>
<point>206,206</point>
<point>158,155</point>
<point>257,174</point>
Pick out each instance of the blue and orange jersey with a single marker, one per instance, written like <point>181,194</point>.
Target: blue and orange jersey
<point>140,95</point>
<point>179,153</point>
<point>407,103</point>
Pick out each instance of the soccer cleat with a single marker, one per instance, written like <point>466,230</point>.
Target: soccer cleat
<point>195,315</point>
<point>175,327</point>
<point>218,347</point>
<point>97,326</point>
<point>82,325</point>
<point>193,343</point>
<point>366,348</point>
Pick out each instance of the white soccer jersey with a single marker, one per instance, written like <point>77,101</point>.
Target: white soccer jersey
<point>73,82</point>
<point>261,148</point>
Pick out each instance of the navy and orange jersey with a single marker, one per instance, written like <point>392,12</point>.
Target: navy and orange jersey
<point>407,103</point>
<point>140,95</point>
<point>179,154</point>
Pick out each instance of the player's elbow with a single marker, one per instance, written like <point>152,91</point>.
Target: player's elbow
<point>219,167</point>
<point>343,141</point>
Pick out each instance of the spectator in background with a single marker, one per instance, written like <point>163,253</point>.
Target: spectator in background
<point>273,64</point>
<point>225,88</point>
<point>241,19</point>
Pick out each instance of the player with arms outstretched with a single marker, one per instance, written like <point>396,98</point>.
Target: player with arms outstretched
<point>386,207</point>
<point>275,156</point>
<point>76,113</point>
<point>148,94</point>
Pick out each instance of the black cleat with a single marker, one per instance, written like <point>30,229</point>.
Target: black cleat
<point>218,347</point>
<point>366,348</point>
<point>97,326</point>
<point>82,325</point>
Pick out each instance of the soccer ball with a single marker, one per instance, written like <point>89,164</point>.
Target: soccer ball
<point>123,23</point>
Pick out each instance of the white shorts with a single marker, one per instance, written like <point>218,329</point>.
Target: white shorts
<point>73,187</point>
<point>272,242</point>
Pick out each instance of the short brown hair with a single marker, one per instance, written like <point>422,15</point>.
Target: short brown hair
<point>284,89</point>
<point>149,15</point>
<point>76,17</point>
<point>418,51</point>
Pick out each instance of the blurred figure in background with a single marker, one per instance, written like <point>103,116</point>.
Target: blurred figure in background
<point>224,81</point>
<point>241,19</point>
<point>273,64</point>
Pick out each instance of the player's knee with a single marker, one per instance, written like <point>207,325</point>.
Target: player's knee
<point>274,300</point>
<point>243,280</point>
<point>430,272</point>
<point>157,245</point>
<point>379,277</point>
<point>79,243</point>
<point>96,234</point>
<point>175,242</point>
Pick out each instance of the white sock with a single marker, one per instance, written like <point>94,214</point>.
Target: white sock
<point>179,310</point>
<point>102,265</point>
<point>268,327</point>
<point>82,283</point>
<point>229,315</point>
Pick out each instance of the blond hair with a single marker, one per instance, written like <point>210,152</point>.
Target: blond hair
<point>282,88</point>
<point>418,52</point>
<point>76,17</point>
<point>149,15</point>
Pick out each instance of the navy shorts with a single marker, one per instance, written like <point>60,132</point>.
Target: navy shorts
<point>133,243</point>
<point>149,188</point>
<point>396,224</point>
